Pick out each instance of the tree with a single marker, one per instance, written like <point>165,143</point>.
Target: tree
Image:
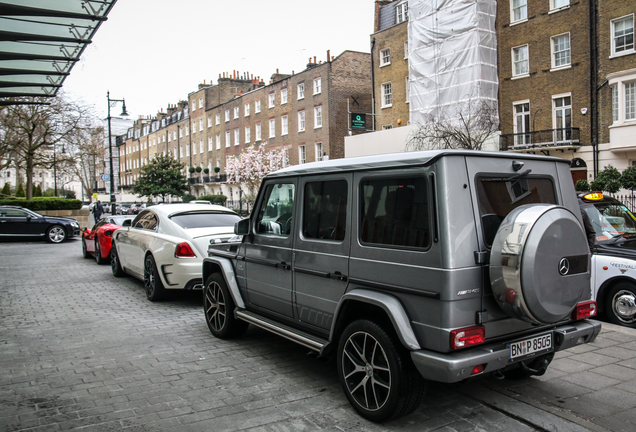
<point>248,169</point>
<point>628,178</point>
<point>582,186</point>
<point>6,190</point>
<point>38,191</point>
<point>608,180</point>
<point>162,177</point>
<point>85,147</point>
<point>472,125</point>
<point>19,192</point>
<point>30,133</point>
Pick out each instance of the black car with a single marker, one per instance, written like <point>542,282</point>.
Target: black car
<point>21,222</point>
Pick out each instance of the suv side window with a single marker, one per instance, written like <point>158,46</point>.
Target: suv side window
<point>275,214</point>
<point>395,212</point>
<point>325,210</point>
<point>498,196</point>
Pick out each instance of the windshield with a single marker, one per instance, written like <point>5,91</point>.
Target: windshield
<point>205,219</point>
<point>610,220</point>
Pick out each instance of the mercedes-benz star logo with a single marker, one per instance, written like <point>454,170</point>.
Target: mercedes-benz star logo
<point>564,266</point>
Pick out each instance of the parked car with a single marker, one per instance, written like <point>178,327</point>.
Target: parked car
<point>613,257</point>
<point>21,222</point>
<point>122,209</point>
<point>133,209</point>
<point>166,244</point>
<point>442,265</point>
<point>96,241</point>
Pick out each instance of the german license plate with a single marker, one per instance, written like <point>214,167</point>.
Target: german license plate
<point>530,346</point>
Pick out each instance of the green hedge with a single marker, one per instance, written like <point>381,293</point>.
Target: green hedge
<point>214,199</point>
<point>44,203</point>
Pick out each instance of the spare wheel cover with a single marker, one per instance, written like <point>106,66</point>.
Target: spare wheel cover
<point>539,263</point>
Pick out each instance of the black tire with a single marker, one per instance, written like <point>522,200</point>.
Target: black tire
<point>152,283</point>
<point>532,367</point>
<point>620,304</point>
<point>56,234</point>
<point>85,253</point>
<point>218,306</point>
<point>98,253</point>
<point>376,372</point>
<point>115,265</point>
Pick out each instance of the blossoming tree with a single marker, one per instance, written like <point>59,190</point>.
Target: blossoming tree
<point>248,169</point>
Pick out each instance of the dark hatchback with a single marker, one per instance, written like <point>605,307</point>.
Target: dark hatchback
<point>21,222</point>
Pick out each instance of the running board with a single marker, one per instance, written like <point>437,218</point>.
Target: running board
<point>305,339</point>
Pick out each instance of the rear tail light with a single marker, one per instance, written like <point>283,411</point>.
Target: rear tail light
<point>184,251</point>
<point>584,310</point>
<point>468,336</point>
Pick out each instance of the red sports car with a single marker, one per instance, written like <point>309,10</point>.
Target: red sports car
<point>96,241</point>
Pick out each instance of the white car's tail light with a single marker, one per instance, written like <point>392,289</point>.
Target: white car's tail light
<point>184,251</point>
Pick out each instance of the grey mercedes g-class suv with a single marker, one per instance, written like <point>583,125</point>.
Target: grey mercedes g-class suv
<point>437,265</point>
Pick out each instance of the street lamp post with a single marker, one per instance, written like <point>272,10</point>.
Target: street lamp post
<point>110,144</point>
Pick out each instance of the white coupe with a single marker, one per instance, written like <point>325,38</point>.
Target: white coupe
<point>164,246</point>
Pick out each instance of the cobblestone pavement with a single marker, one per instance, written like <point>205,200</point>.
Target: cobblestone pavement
<point>82,350</point>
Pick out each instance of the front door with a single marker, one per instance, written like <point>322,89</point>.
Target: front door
<point>321,255</point>
<point>268,253</point>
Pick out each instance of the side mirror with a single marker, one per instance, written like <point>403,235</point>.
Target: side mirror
<point>242,227</point>
<point>28,218</point>
<point>127,223</point>
<point>84,229</point>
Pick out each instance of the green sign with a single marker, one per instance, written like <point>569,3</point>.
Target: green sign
<point>358,121</point>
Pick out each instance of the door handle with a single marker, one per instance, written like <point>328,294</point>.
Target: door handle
<point>338,276</point>
<point>284,266</point>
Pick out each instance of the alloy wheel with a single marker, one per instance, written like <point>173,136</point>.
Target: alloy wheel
<point>215,308</point>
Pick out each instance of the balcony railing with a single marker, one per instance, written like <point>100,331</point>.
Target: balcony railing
<point>221,178</point>
<point>544,139</point>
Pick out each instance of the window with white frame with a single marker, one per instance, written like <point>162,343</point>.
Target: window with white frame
<point>258,132</point>
<point>302,154</point>
<point>180,133</point>
<point>200,102</point>
<point>407,86</point>
<point>272,128</point>
<point>630,101</point>
<point>520,66</point>
<point>201,124</point>
<point>401,12</point>
<point>283,96</point>
<point>246,110</point>
<point>385,57</point>
<point>194,105</point>
<point>319,153</point>
<point>187,130</point>
<point>237,137</point>
<point>562,117</point>
<point>561,51</point>
<point>521,122</point>
<point>194,126</point>
<point>174,135</point>
<point>317,86</point>
<point>518,10</point>
<point>210,143</point>
<point>248,134</point>
<point>257,106</point>
<point>301,121</point>
<point>300,90</point>
<point>623,35</point>
<point>228,138</point>
<point>318,117</point>
<point>209,121</point>
<point>615,103</point>
<point>284,125</point>
<point>236,112</point>
<point>201,148</point>
<point>217,119</point>
<point>187,150</point>
<point>218,141</point>
<point>558,4</point>
<point>227,115</point>
<point>271,99</point>
<point>169,137</point>
<point>387,95</point>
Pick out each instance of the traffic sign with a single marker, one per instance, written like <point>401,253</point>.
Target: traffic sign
<point>105,177</point>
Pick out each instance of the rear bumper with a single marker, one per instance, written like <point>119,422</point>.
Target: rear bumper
<point>458,366</point>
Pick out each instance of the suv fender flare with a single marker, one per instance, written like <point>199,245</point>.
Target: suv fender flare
<point>224,265</point>
<point>391,305</point>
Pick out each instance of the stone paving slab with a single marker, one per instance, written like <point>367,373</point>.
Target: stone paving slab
<point>82,350</point>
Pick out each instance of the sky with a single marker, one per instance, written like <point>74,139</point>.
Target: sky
<point>154,52</point>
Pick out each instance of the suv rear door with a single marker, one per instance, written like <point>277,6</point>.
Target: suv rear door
<point>321,253</point>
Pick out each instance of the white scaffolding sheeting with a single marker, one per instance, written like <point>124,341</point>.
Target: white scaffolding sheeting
<point>452,56</point>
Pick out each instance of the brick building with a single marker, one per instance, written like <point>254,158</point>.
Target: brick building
<point>306,114</point>
<point>389,51</point>
<point>565,81</point>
